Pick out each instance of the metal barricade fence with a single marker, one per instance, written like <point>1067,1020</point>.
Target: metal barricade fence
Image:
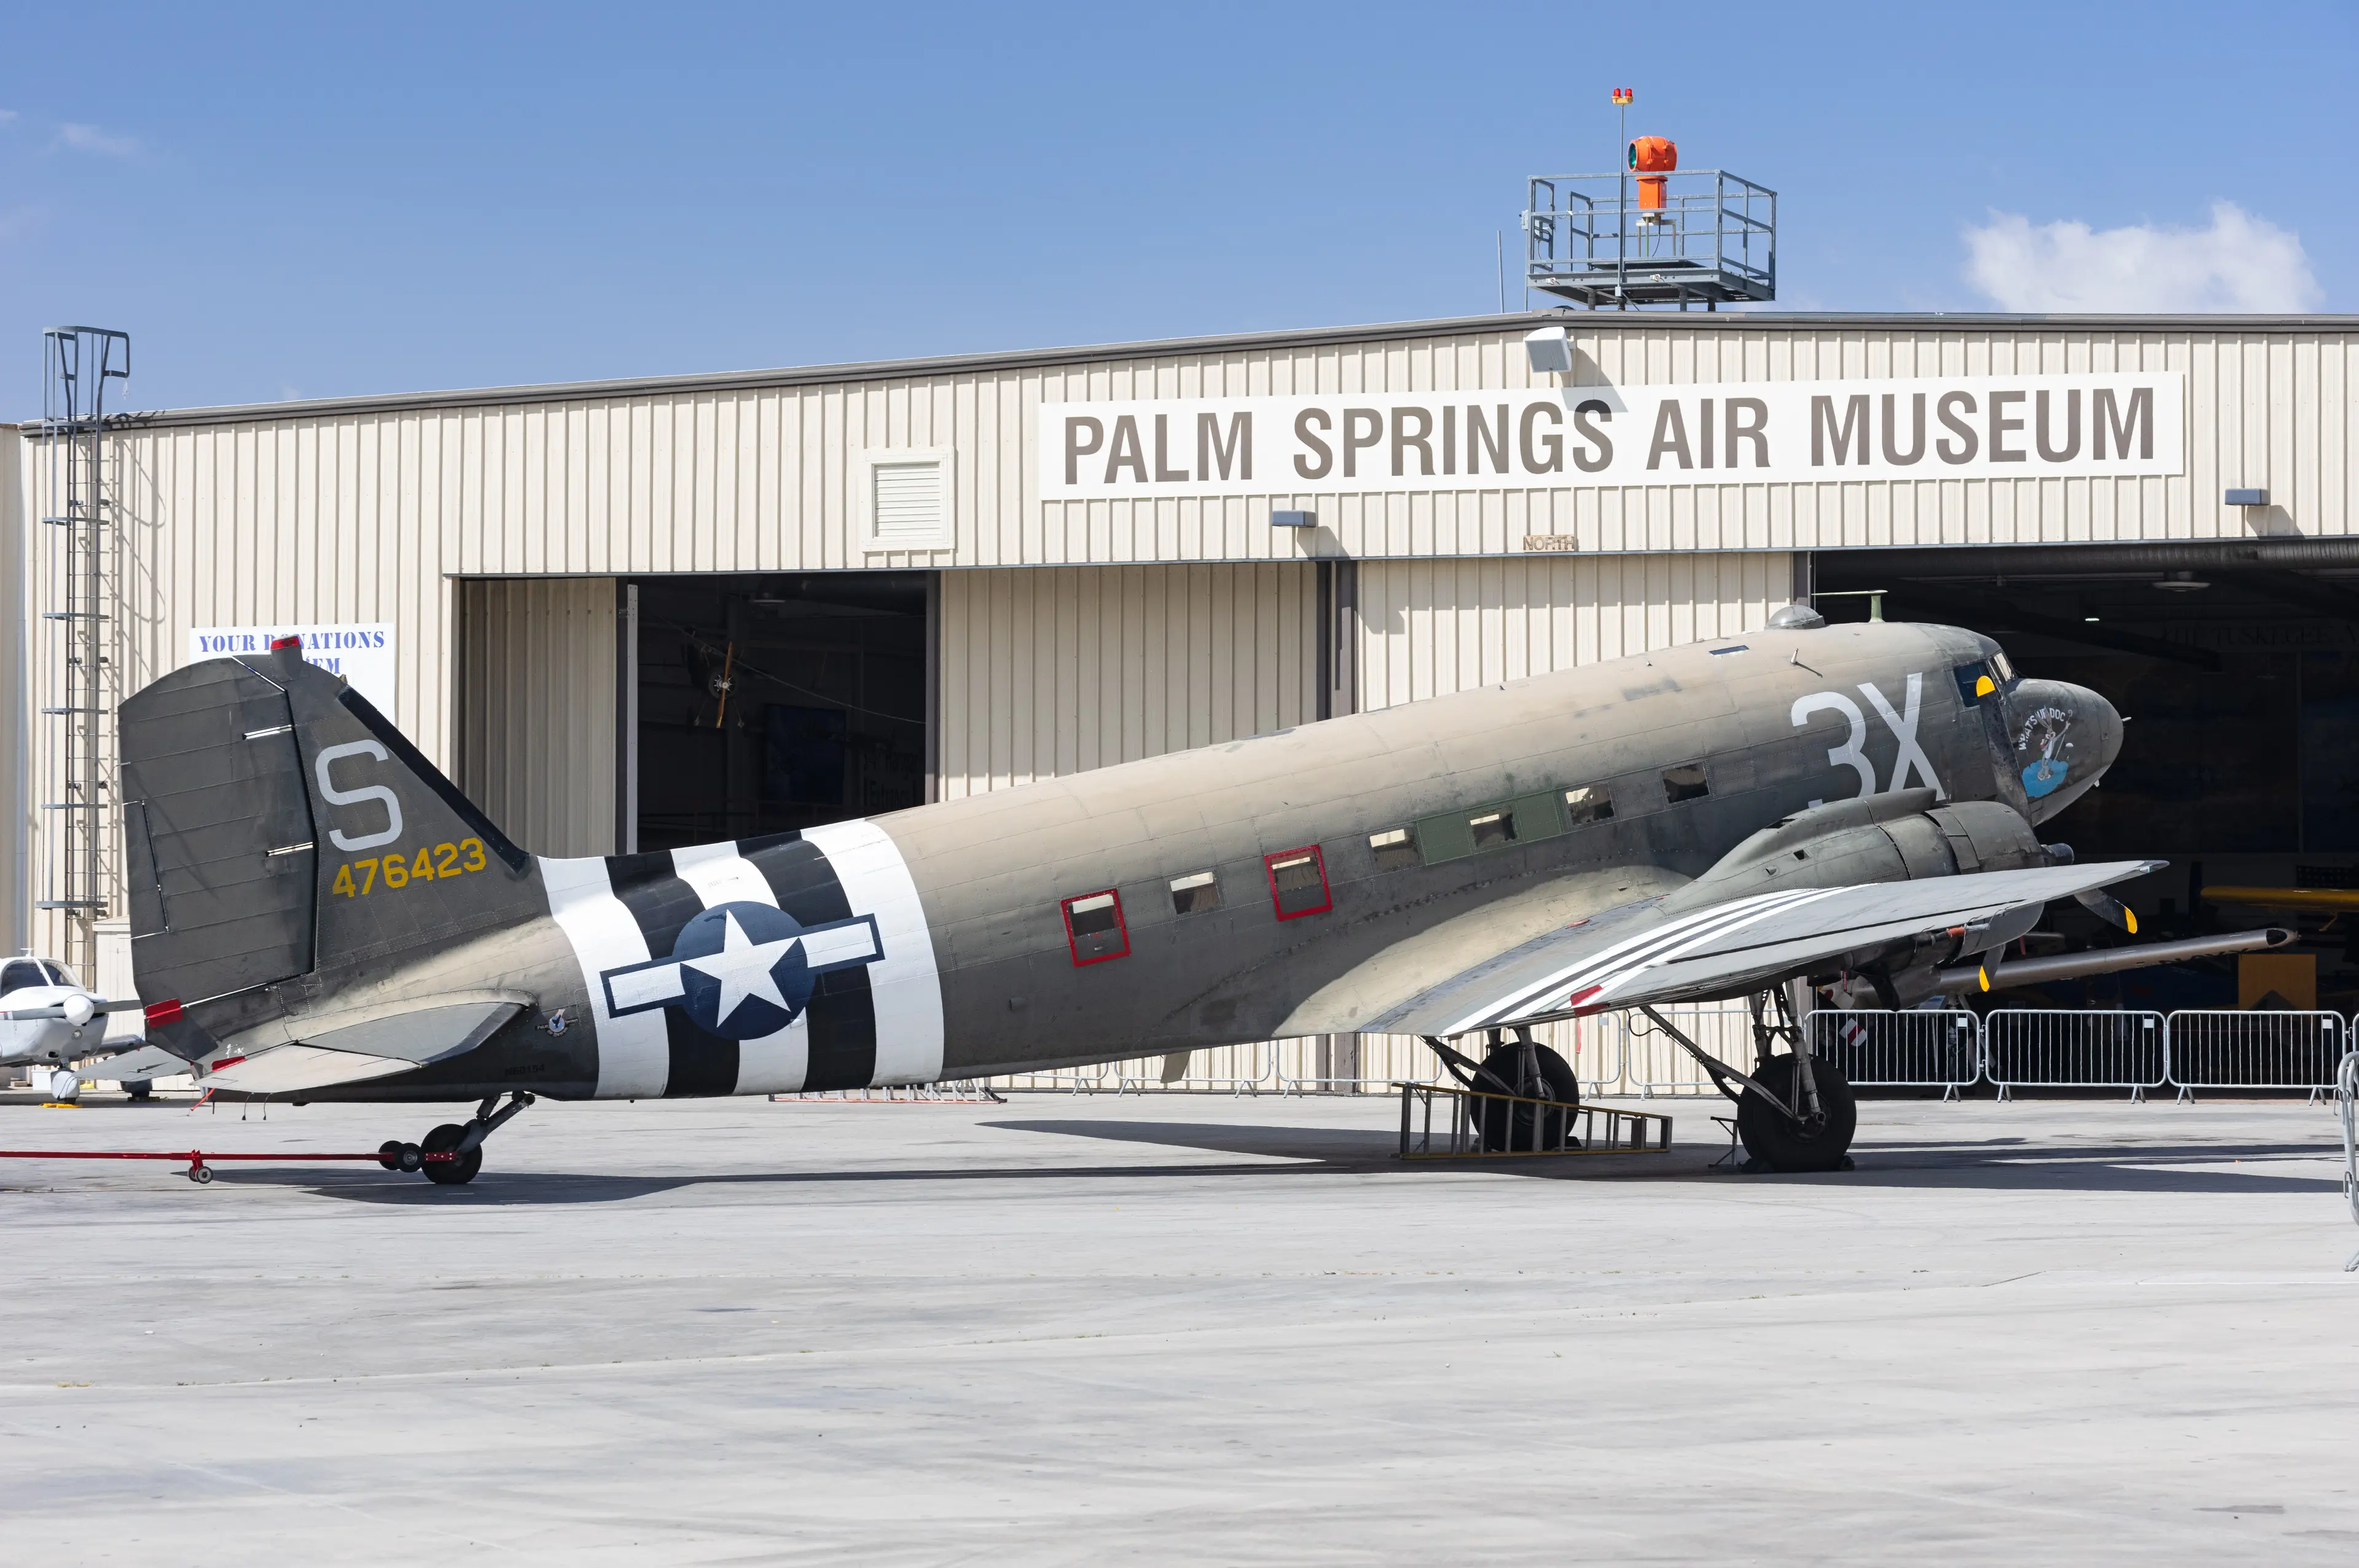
<point>2346,1111</point>
<point>1914,1049</point>
<point>2224,1050</point>
<point>1653,1063</point>
<point>2053,1048</point>
<point>1384,1062</point>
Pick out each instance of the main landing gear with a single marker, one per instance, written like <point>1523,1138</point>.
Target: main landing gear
<point>1795,1112</point>
<point>451,1154</point>
<point>1547,1094</point>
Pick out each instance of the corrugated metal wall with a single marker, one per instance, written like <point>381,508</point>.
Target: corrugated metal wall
<point>765,479</point>
<point>328,515</point>
<point>537,716</point>
<point>1050,672</point>
<point>15,750</point>
<point>1432,627</point>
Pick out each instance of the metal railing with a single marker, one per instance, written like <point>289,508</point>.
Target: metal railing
<point>1920,1049</point>
<point>1948,1049</point>
<point>1264,1059</point>
<point>2346,1109</point>
<point>2055,1048</point>
<point>1653,1063</point>
<point>1700,234</point>
<point>1479,1125</point>
<point>2224,1050</point>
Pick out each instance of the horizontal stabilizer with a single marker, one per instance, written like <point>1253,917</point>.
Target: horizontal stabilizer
<point>377,1048</point>
<point>134,1066</point>
<point>291,1069</point>
<point>421,1035</point>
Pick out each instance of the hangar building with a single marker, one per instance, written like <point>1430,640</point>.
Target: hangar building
<point>637,613</point>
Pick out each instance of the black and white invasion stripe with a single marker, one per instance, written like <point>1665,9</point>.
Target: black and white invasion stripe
<point>866,1025</point>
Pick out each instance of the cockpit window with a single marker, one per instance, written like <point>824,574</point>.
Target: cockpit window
<point>1974,682</point>
<point>2001,670</point>
<point>21,975</point>
<point>59,974</point>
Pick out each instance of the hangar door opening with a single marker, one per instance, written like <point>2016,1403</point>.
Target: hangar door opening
<point>2238,666</point>
<point>761,704</point>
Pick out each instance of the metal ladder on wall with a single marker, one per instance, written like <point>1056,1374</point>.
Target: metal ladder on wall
<point>82,558</point>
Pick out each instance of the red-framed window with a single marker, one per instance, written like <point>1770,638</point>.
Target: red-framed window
<point>1094,928</point>
<point>1297,883</point>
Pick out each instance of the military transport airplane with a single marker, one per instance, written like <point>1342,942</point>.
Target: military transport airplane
<point>319,914</point>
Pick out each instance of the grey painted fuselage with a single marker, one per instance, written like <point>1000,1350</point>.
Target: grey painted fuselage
<point>1695,747</point>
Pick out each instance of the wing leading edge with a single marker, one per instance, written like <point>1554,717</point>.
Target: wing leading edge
<point>1641,955</point>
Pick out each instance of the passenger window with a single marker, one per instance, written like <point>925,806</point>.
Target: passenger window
<point>1297,883</point>
<point>1094,927</point>
<point>1686,784</point>
<point>22,975</point>
<point>1195,892</point>
<point>1493,829</point>
<point>1590,802</point>
<point>1395,848</point>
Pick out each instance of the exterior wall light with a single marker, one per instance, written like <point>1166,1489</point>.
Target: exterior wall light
<point>1550,350</point>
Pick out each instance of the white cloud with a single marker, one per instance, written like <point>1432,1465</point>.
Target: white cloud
<point>2239,263</point>
<point>7,115</point>
<point>91,139</point>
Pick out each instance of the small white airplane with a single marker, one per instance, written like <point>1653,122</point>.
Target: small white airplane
<point>49,1023</point>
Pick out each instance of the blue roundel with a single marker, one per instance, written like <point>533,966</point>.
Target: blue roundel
<point>742,971</point>
<point>2043,776</point>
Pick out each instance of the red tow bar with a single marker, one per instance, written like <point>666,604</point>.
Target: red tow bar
<point>201,1172</point>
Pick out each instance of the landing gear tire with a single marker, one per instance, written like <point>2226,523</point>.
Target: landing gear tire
<point>1783,1144</point>
<point>449,1173</point>
<point>1527,1127</point>
<point>139,1088</point>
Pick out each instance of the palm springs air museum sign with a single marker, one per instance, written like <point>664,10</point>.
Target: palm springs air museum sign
<point>1593,436</point>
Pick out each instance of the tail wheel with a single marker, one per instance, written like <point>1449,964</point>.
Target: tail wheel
<point>451,1172</point>
<point>1816,1143</point>
<point>1527,1127</point>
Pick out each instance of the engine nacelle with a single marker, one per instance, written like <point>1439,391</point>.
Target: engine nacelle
<point>1875,839</point>
<point>1898,837</point>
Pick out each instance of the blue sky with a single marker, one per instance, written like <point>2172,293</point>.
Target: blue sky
<point>307,201</point>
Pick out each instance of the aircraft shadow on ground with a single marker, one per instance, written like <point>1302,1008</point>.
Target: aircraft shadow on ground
<point>2005,1164</point>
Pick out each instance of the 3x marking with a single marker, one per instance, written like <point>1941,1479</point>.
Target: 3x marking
<point>1908,760</point>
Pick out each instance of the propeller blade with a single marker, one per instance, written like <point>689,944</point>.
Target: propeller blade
<point>2109,909</point>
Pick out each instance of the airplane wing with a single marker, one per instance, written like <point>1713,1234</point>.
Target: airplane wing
<point>1648,954</point>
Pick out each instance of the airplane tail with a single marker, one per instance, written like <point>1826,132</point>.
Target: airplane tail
<point>276,825</point>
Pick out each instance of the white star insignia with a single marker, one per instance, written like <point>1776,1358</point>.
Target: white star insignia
<point>743,967</point>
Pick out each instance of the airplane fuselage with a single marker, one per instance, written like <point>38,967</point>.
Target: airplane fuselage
<point>1288,884</point>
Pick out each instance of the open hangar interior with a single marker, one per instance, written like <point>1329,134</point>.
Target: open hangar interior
<point>2238,666</point>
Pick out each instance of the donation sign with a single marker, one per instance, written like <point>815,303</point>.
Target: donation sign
<point>1586,437</point>
<point>363,654</point>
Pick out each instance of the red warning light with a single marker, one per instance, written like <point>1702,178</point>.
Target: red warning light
<point>1625,97</point>
<point>278,643</point>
